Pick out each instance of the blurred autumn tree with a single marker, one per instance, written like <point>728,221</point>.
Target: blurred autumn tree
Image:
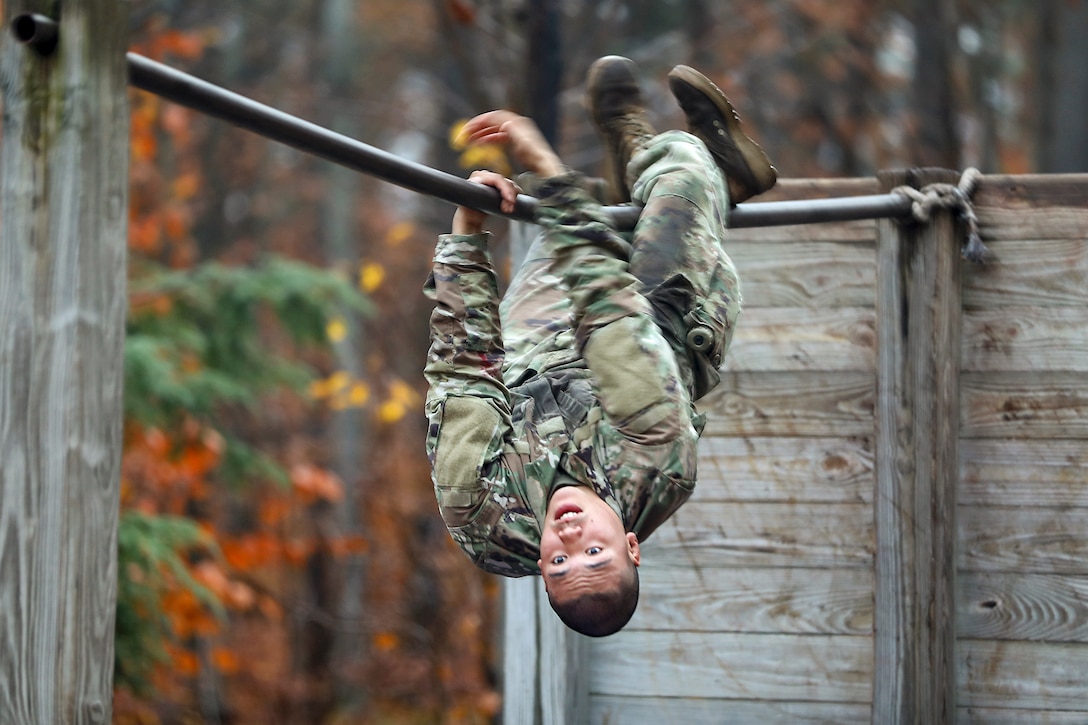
<point>281,557</point>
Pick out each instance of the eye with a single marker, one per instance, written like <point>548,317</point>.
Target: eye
<point>559,559</point>
<point>594,550</point>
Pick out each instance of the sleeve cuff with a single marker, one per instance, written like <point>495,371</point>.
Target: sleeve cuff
<point>463,248</point>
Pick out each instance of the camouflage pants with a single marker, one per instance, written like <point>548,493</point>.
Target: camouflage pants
<point>675,262</point>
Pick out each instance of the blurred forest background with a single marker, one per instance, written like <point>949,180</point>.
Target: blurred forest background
<point>281,557</point>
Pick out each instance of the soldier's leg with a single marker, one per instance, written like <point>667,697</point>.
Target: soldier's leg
<point>678,256</point>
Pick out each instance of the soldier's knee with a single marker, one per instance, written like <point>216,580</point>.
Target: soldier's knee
<point>638,380</point>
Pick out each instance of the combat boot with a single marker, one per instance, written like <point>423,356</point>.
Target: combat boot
<point>713,120</point>
<point>615,104</point>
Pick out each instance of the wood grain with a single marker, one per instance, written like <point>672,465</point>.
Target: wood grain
<point>818,275</point>
<point>64,196</point>
<point>1012,716</point>
<point>1027,675</point>
<point>521,650</point>
<point>759,468</point>
<point>1033,472</point>
<point>1024,405</point>
<point>1026,338</point>
<point>815,404</point>
<point>1039,607</point>
<point>1038,540</point>
<point>788,339</point>
<point>1039,272</point>
<point>733,666</point>
<point>613,710</point>
<point>796,601</point>
<point>718,535</point>
<point>919,320</point>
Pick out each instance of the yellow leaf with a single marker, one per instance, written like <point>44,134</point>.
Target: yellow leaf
<point>337,329</point>
<point>359,394</point>
<point>391,411</point>
<point>318,389</point>
<point>398,233</point>
<point>371,276</point>
<point>402,392</point>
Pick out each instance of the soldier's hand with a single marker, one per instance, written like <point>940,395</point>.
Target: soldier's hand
<point>471,221</point>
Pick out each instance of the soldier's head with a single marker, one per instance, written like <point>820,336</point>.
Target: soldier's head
<point>589,562</point>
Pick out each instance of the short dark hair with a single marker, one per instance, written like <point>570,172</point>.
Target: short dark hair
<point>600,614</point>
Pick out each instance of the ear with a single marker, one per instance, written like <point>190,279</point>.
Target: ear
<point>540,566</point>
<point>632,547</point>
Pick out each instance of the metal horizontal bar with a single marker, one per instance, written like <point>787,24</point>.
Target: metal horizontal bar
<point>192,92</point>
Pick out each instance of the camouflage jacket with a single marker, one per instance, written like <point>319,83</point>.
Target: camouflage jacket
<point>497,453</point>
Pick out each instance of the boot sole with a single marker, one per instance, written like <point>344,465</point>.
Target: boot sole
<point>746,166</point>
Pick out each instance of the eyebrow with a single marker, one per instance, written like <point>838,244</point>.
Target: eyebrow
<point>594,565</point>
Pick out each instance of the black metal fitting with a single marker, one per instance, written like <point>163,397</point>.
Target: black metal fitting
<point>37,31</point>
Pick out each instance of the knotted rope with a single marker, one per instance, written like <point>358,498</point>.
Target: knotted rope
<point>955,198</point>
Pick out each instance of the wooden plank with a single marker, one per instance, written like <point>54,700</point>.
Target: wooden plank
<point>791,404</point>
<point>1029,191</point>
<point>564,690</point>
<point>1024,405</point>
<point>1032,206</point>
<point>717,535</point>
<point>1045,222</point>
<point>859,232</point>
<point>830,668</point>
<point>1008,716</point>
<point>1040,272</point>
<point>1034,472</point>
<point>919,313</point>
<point>785,469</point>
<point>799,339</point>
<point>790,601</point>
<point>611,710</point>
<point>1038,540</point>
<point>1026,338</point>
<point>1027,675</point>
<point>63,230</point>
<point>1040,607</point>
<point>521,656</point>
<point>805,273</point>
<point>791,189</point>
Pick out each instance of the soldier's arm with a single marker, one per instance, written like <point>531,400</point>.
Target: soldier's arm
<point>468,405</point>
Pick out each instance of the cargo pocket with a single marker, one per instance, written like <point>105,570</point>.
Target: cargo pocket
<point>637,379</point>
<point>469,441</point>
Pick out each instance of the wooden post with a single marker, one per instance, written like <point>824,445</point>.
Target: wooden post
<point>63,227</point>
<point>917,467</point>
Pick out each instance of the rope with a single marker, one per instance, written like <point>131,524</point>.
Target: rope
<point>955,198</point>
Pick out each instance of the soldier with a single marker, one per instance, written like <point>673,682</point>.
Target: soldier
<point>562,427</point>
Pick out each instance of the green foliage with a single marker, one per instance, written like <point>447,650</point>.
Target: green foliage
<point>204,343</point>
<point>209,347</point>
<point>151,551</point>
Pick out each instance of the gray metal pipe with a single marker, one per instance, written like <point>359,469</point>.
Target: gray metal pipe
<point>192,92</point>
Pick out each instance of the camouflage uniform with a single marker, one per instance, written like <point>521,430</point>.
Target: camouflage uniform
<point>586,373</point>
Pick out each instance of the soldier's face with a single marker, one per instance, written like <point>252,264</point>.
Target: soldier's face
<point>583,546</point>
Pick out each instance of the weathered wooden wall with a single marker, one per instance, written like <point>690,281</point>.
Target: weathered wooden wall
<point>758,597</point>
<point>1022,610</point>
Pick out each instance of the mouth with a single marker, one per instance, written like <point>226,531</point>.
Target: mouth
<point>567,512</point>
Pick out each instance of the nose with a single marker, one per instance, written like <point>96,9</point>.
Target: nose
<point>569,532</point>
